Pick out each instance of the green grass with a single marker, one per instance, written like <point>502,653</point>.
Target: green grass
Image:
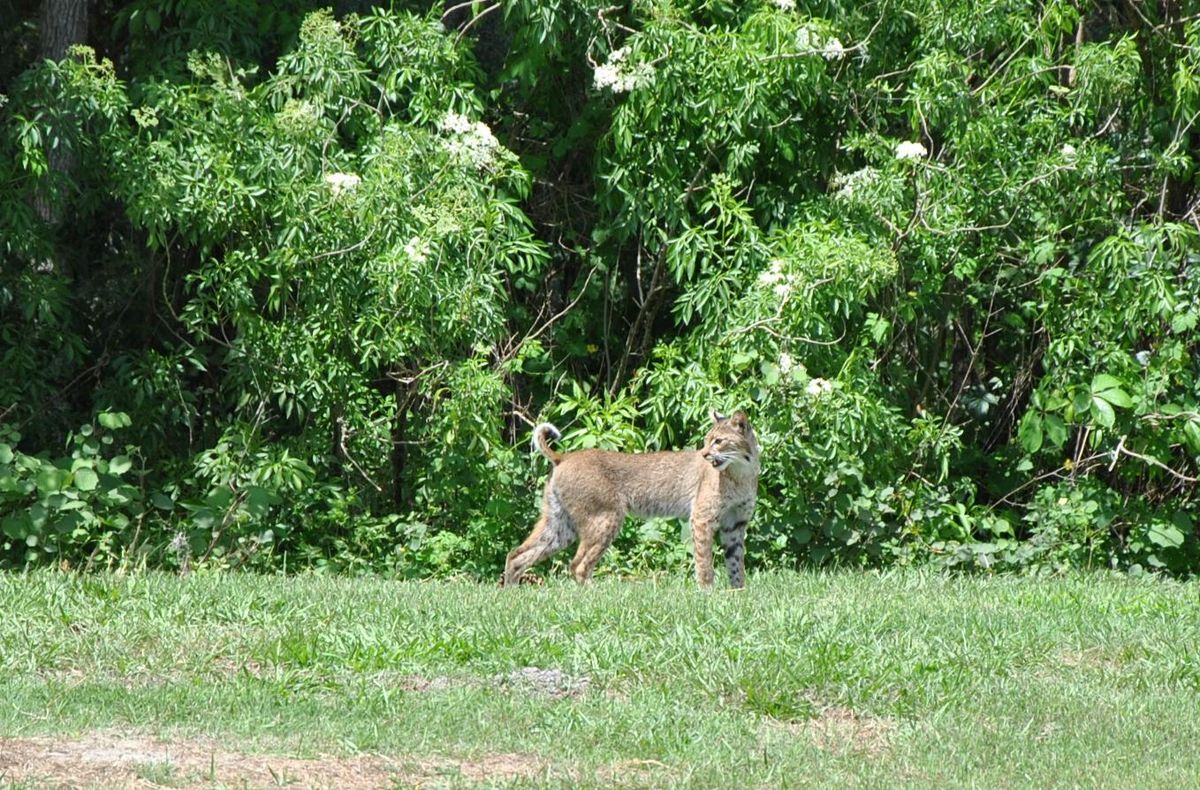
<point>804,679</point>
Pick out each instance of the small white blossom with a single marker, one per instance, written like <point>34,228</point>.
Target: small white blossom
<point>619,76</point>
<point>455,123</point>
<point>178,544</point>
<point>772,275</point>
<point>470,141</point>
<point>782,289</point>
<point>847,184</point>
<point>810,40</point>
<point>786,5</point>
<point>818,387</point>
<point>417,249</point>
<point>606,76</point>
<point>785,363</point>
<point>1068,151</point>
<point>806,39</point>
<point>907,150</point>
<point>483,134</point>
<point>340,183</point>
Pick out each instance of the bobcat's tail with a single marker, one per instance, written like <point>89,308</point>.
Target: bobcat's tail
<point>542,446</point>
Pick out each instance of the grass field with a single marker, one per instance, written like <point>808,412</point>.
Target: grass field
<point>899,678</point>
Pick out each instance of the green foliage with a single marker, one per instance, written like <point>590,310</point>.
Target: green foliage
<point>332,267</point>
<point>83,505</point>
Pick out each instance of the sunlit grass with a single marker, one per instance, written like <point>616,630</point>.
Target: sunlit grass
<point>901,677</point>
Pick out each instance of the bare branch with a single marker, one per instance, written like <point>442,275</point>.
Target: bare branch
<point>1121,449</point>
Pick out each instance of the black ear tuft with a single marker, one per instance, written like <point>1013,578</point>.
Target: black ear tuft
<point>716,416</point>
<point>739,420</point>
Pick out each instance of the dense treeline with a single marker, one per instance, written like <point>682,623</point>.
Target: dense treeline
<point>288,287</point>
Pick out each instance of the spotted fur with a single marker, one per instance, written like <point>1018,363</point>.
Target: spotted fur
<point>590,492</point>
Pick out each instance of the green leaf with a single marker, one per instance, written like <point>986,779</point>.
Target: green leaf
<point>1191,434</point>
<point>742,358</point>
<point>1184,322</point>
<point>1030,432</point>
<point>1165,535</point>
<point>259,501</point>
<point>15,526</point>
<point>1056,430</point>
<point>1102,412</point>
<point>162,501</point>
<point>204,518</point>
<point>119,465</point>
<point>1109,389</point>
<point>1116,397</point>
<point>6,454</point>
<point>86,479</point>
<point>49,479</point>
<point>113,419</point>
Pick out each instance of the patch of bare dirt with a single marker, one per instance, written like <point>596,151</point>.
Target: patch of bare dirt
<point>1089,658</point>
<point>552,683</point>
<point>103,760</point>
<point>230,665</point>
<point>839,729</point>
<point>637,773</point>
<point>419,683</point>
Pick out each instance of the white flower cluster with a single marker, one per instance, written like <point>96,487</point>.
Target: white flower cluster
<point>470,141</point>
<point>833,50</point>
<point>848,183</point>
<point>341,183</point>
<point>907,150</point>
<point>786,364</point>
<point>1068,151</point>
<point>776,278</point>
<point>178,544</point>
<point>417,249</point>
<point>620,76</point>
<point>810,41</point>
<point>818,387</point>
<point>786,5</point>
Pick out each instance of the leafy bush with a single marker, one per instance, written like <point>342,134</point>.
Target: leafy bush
<point>334,266</point>
<point>71,507</point>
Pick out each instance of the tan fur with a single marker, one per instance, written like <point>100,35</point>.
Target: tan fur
<point>591,491</point>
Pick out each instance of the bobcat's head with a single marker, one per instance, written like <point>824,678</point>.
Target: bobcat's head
<point>730,441</point>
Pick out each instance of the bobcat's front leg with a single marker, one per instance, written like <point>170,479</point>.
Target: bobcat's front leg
<point>702,550</point>
<point>733,543</point>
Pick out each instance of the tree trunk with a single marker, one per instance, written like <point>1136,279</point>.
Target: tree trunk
<point>64,23</point>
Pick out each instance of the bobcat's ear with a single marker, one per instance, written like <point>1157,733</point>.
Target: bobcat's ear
<point>740,421</point>
<point>716,416</point>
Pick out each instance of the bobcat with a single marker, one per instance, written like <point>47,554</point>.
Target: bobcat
<point>591,491</point>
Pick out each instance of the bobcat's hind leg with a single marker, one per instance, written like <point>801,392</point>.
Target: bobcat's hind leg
<point>594,537</point>
<point>552,532</point>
